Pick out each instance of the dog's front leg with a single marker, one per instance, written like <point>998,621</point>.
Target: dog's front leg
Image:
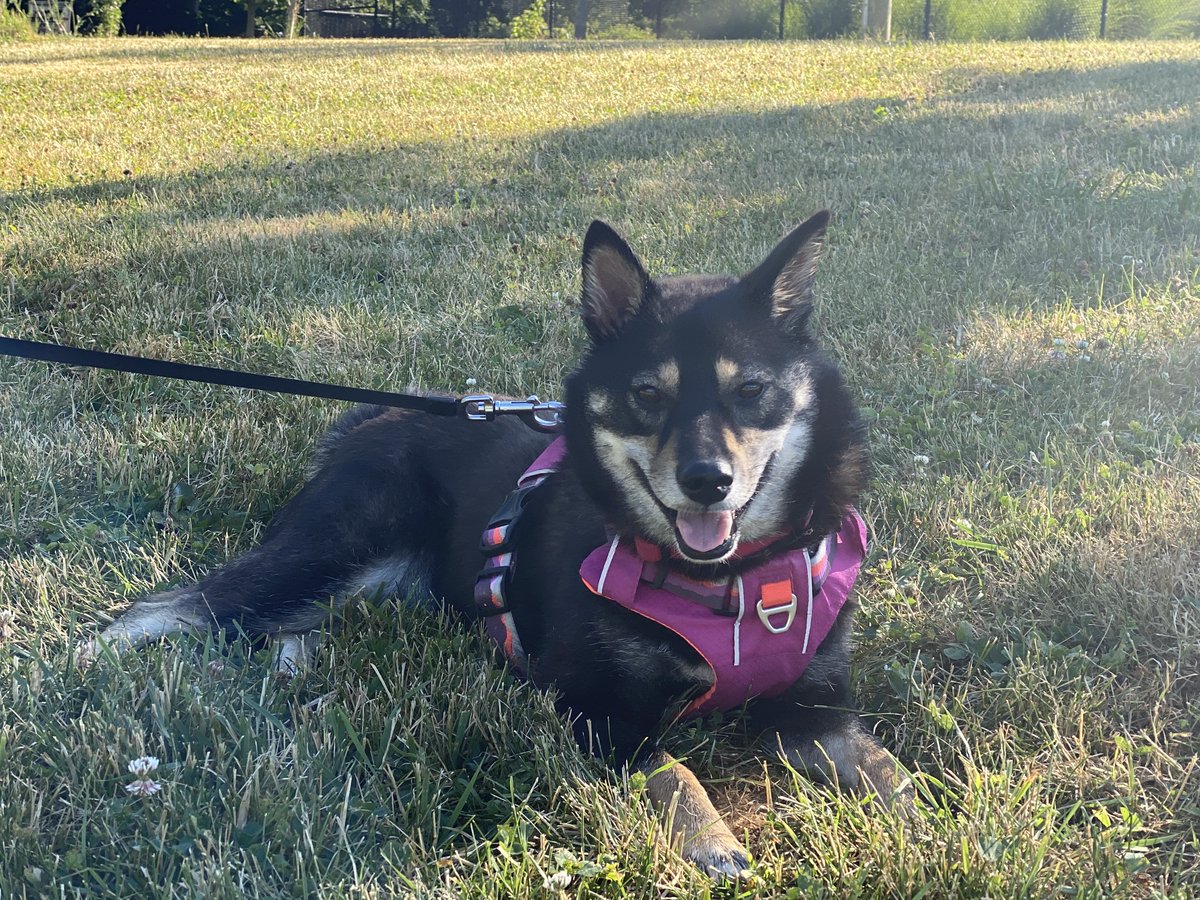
<point>833,747</point>
<point>694,825</point>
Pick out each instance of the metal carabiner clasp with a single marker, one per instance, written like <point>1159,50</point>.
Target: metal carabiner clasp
<point>540,416</point>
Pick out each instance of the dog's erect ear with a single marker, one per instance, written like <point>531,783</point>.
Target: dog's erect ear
<point>614,283</point>
<point>786,276</point>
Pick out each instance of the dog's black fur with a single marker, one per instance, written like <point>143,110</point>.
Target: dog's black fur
<point>399,500</point>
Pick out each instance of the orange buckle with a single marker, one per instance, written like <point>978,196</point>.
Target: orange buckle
<point>777,597</point>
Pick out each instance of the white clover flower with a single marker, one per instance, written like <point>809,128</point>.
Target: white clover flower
<point>143,765</point>
<point>920,459</point>
<point>1081,344</point>
<point>1106,424</point>
<point>1059,342</point>
<point>143,787</point>
<point>559,880</point>
<point>1085,358</point>
<point>471,382</point>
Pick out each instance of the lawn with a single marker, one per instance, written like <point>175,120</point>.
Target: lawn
<point>1012,287</point>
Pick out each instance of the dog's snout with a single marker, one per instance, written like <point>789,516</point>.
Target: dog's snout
<point>705,480</point>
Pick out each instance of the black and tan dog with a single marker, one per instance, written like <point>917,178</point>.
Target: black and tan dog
<point>708,441</point>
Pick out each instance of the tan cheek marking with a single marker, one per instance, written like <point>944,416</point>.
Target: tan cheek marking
<point>802,393</point>
<point>736,449</point>
<point>661,468</point>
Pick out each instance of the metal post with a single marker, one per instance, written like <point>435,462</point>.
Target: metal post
<point>928,20</point>
<point>658,20</point>
<point>782,10</point>
<point>551,15</point>
<point>1103,18</point>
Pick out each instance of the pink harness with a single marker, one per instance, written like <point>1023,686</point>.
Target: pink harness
<point>758,630</point>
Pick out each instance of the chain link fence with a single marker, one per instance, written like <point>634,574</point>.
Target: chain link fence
<point>954,20</point>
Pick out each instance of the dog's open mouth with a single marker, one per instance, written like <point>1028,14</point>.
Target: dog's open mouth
<point>705,535</point>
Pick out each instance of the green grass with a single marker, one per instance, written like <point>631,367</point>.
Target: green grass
<point>391,213</point>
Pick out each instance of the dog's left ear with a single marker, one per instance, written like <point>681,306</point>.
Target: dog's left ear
<point>615,284</point>
<point>785,277</point>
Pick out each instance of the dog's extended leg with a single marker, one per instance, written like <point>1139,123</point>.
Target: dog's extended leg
<point>361,527</point>
<point>695,827</point>
<point>150,619</point>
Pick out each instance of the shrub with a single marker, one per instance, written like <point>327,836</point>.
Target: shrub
<point>15,26</point>
<point>1051,19</point>
<point>735,19</point>
<point>530,25</point>
<point>103,18</point>
<point>831,18</point>
<point>491,27</point>
<point>1129,19</point>
<point>622,31</point>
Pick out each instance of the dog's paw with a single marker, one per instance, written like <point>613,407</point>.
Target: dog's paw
<point>719,856</point>
<point>293,654</point>
<point>87,652</point>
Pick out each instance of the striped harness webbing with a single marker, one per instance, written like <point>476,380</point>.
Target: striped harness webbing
<point>494,582</point>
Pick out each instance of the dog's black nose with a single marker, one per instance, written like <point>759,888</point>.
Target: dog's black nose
<point>705,480</point>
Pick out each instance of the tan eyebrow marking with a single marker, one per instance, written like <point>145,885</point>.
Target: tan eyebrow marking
<point>668,376</point>
<point>597,403</point>
<point>727,372</point>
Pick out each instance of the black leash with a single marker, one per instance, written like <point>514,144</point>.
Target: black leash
<point>542,416</point>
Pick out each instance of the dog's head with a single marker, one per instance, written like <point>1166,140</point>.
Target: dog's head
<point>704,415</point>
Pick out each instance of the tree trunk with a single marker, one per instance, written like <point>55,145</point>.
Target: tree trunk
<point>581,14</point>
<point>251,9</point>
<point>293,18</point>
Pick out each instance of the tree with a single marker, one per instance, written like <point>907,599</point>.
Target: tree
<point>464,18</point>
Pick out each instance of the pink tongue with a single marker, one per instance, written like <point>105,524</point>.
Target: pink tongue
<point>704,531</point>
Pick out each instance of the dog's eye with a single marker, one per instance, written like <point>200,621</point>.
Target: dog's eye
<point>648,395</point>
<point>751,390</point>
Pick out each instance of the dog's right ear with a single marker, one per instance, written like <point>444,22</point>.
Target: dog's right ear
<point>615,284</point>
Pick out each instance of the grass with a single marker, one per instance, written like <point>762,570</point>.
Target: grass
<point>1011,286</point>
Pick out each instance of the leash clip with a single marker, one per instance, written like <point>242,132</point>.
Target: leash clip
<point>539,415</point>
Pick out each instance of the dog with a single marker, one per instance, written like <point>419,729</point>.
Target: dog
<point>687,544</point>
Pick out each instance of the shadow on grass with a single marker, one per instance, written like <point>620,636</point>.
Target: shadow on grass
<point>956,205</point>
